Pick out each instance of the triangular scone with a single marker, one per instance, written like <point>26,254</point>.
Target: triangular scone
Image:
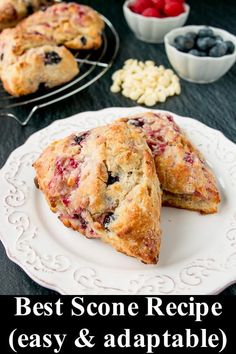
<point>186,180</point>
<point>103,183</point>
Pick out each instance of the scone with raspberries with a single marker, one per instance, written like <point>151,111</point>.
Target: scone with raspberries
<point>73,25</point>
<point>103,184</point>
<point>35,51</point>
<point>13,11</point>
<point>186,180</point>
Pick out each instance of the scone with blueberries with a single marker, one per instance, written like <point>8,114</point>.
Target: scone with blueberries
<point>28,60</point>
<point>35,51</point>
<point>103,184</point>
<point>186,180</point>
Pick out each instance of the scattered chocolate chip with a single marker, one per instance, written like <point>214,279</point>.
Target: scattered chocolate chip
<point>1,56</point>
<point>51,58</point>
<point>83,40</point>
<point>108,219</point>
<point>112,179</point>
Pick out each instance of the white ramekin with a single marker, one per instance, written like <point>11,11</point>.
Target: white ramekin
<point>152,29</point>
<point>200,70</point>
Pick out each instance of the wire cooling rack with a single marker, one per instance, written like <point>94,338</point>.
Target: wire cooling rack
<point>93,65</point>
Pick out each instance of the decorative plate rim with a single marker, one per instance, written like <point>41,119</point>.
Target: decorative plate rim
<point>85,278</point>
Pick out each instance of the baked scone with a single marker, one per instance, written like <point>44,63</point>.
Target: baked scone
<point>24,59</point>
<point>12,11</point>
<point>72,25</point>
<point>48,65</point>
<point>28,60</point>
<point>186,180</point>
<point>103,184</point>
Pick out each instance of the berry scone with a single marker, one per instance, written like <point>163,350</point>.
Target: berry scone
<point>72,25</point>
<point>186,180</point>
<point>12,11</point>
<point>30,60</point>
<point>103,184</point>
<point>48,65</point>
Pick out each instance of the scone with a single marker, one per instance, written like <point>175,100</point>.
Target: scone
<point>103,184</point>
<point>46,65</point>
<point>25,62</point>
<point>30,59</point>
<point>72,25</point>
<point>186,180</point>
<point>12,11</point>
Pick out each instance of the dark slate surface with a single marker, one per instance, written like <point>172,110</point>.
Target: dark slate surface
<point>213,104</point>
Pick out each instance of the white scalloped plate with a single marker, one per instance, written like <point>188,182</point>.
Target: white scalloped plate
<point>198,253</point>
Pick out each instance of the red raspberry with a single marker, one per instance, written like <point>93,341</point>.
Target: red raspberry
<point>140,5</point>
<point>151,12</point>
<point>158,4</point>
<point>173,8</point>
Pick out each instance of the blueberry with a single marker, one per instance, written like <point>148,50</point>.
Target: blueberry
<point>107,219</point>
<point>112,179</point>
<point>51,58</point>
<point>183,43</point>
<point>79,138</point>
<point>83,40</point>
<point>197,53</point>
<point>205,43</point>
<point>205,32</point>
<point>218,50</point>
<point>191,35</point>
<point>219,38</point>
<point>230,47</point>
<point>136,122</point>
<point>30,10</point>
<point>83,222</point>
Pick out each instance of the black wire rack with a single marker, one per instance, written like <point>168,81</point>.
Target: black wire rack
<point>93,65</point>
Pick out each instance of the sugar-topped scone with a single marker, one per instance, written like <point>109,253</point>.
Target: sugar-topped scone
<point>103,184</point>
<point>73,25</point>
<point>13,11</point>
<point>186,180</point>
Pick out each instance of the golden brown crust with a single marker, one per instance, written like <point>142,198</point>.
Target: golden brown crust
<point>73,25</point>
<point>185,178</point>
<point>103,183</point>
<point>23,66</point>
<point>26,74</point>
<point>12,11</point>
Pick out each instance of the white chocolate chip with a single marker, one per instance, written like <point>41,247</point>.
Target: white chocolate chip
<point>115,88</point>
<point>145,82</point>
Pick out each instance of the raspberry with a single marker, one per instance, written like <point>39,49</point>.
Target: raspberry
<point>173,8</point>
<point>140,5</point>
<point>158,4</point>
<point>151,12</point>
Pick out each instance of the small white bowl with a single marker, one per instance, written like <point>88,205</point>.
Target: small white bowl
<point>200,70</point>
<point>152,29</point>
